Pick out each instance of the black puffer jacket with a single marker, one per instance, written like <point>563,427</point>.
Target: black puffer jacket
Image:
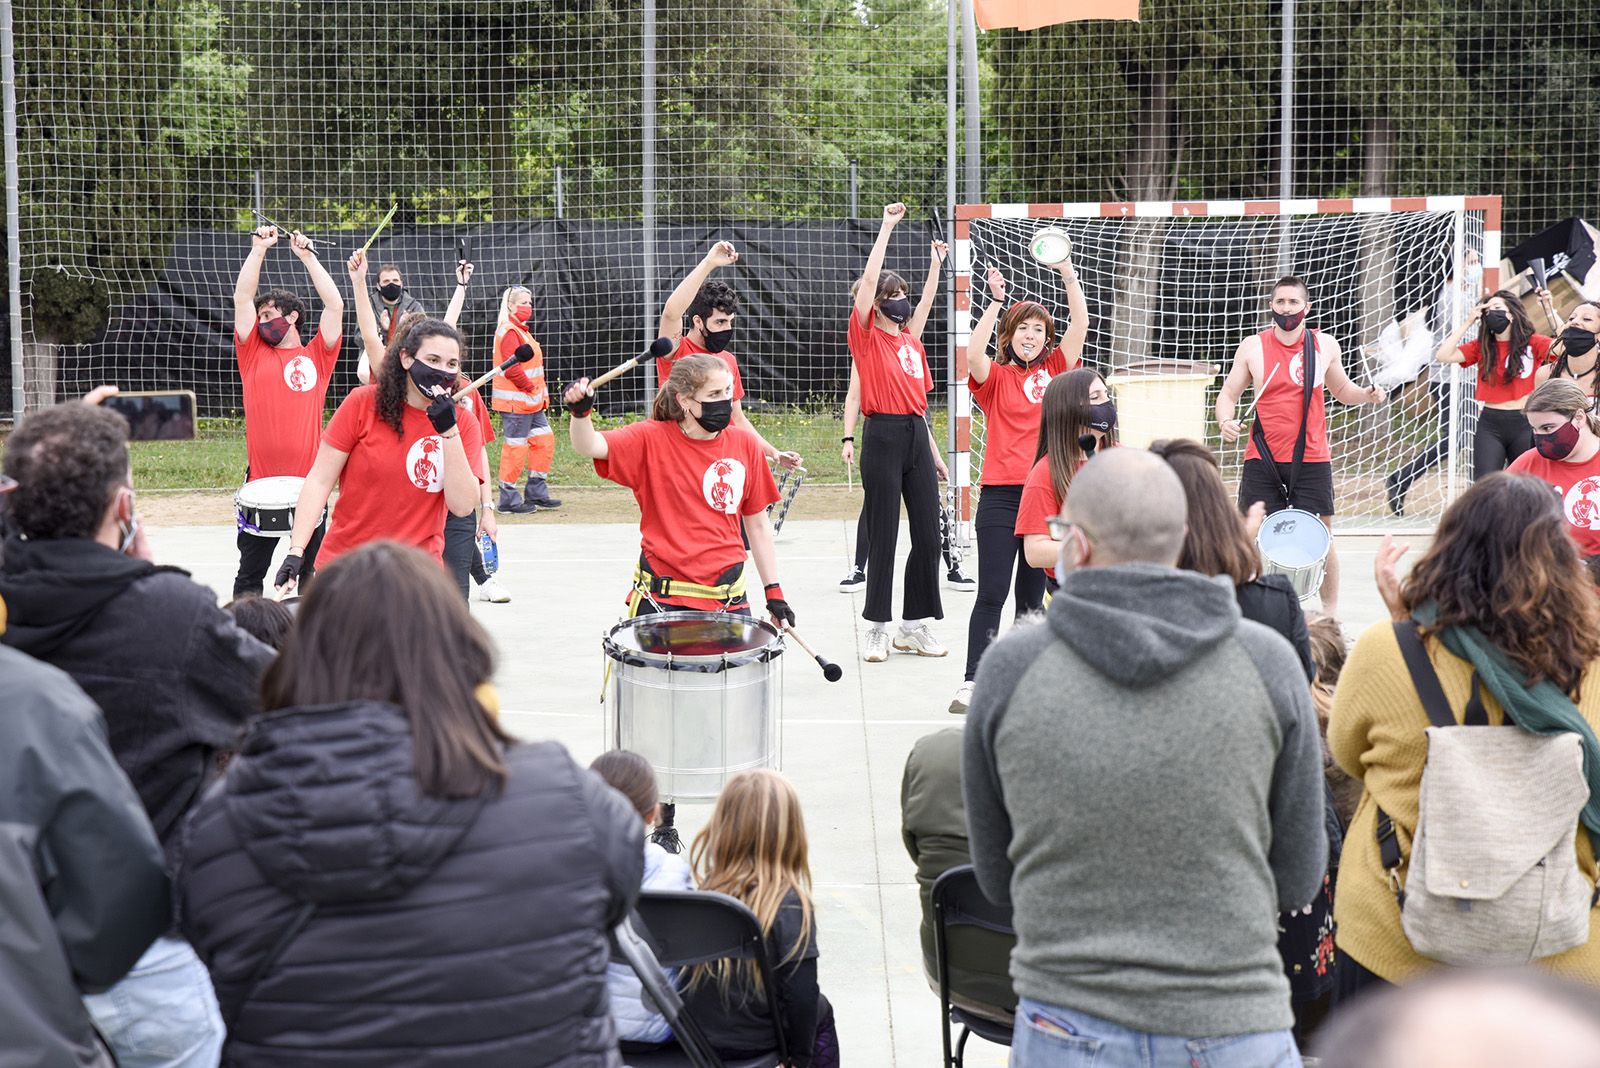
<point>445,932</point>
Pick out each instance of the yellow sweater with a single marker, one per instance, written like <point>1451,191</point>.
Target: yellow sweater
<point>1376,735</point>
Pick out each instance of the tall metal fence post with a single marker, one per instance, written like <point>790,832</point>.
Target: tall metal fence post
<point>8,77</point>
<point>647,170</point>
<point>1286,135</point>
<point>950,119</point>
<point>561,199</point>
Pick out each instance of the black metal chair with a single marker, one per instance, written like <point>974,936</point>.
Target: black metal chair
<point>957,901</point>
<point>682,928</point>
<point>659,989</point>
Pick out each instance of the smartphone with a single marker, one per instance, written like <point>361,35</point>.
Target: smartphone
<point>155,415</point>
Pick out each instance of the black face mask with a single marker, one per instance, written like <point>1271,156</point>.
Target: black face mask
<point>897,310</point>
<point>391,292</point>
<point>426,378</point>
<point>715,415</point>
<point>1496,321</point>
<point>1289,322</point>
<point>716,340</point>
<point>1103,416</point>
<point>1577,341</point>
<point>273,331</point>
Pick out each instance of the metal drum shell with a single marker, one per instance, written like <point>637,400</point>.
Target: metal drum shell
<point>1306,578</point>
<point>265,506</point>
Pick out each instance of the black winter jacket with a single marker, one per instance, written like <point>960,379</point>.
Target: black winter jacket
<point>83,890</point>
<point>445,932</point>
<point>174,675</point>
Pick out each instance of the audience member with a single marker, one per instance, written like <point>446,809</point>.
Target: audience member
<point>265,620</point>
<point>174,675</point>
<point>754,848</point>
<point>632,776</point>
<point>933,825</point>
<point>1501,597</point>
<point>84,891</point>
<point>1143,785</point>
<point>384,875</point>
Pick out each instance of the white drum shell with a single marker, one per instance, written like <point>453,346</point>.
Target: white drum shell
<point>1294,543</point>
<point>265,506</point>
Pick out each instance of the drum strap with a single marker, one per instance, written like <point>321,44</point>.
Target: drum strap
<point>647,583</point>
<point>1308,359</point>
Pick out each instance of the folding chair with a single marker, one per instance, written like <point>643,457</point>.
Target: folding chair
<point>697,1052</point>
<point>688,927</point>
<point>957,901</point>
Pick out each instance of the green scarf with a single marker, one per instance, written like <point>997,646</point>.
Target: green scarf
<point>1542,709</point>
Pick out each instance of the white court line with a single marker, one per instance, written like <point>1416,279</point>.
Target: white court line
<point>949,721</point>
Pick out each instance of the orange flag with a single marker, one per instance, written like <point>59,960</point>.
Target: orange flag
<point>1032,14</point>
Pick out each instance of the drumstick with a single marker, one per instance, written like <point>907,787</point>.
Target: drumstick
<point>830,671</point>
<point>392,209</point>
<point>262,216</point>
<point>505,365</point>
<point>658,348</point>
<point>1248,412</point>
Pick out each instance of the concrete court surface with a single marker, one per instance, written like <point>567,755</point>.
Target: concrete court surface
<point>844,743</point>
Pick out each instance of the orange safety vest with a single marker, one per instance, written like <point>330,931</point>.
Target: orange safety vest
<point>504,394</point>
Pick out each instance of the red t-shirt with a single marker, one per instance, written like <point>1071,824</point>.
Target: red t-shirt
<point>1579,488</point>
<point>1284,398</point>
<point>1492,390</point>
<point>1039,503</point>
<point>1010,399</point>
<point>284,390</point>
<point>689,348</point>
<point>893,368</point>
<point>392,485</point>
<point>691,494</point>
<point>474,410</point>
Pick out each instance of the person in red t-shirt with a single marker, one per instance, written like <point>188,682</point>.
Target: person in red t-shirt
<point>1566,454</point>
<point>1579,355</point>
<point>1505,377</point>
<point>398,454</point>
<point>694,476</point>
<point>1273,362</point>
<point>712,306</point>
<point>1010,390</point>
<point>285,385</point>
<point>1077,412</point>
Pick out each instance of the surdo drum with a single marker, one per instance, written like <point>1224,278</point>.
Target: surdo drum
<point>265,506</point>
<point>1294,543</point>
<point>698,695</point>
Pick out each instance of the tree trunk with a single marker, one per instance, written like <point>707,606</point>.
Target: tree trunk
<point>1150,176</point>
<point>1376,283</point>
<point>39,362</point>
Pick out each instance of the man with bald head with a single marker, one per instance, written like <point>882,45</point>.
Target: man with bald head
<point>1143,783</point>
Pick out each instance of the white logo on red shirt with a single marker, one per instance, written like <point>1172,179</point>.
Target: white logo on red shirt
<point>909,362</point>
<point>1033,386</point>
<point>723,485</point>
<point>300,374</point>
<point>1297,369</point>
<point>1527,362</point>
<point>425,463</point>
<point>1582,504</point>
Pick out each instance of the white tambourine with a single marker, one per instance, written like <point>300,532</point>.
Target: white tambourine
<point>1050,245</point>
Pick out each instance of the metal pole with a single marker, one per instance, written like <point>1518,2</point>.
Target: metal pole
<point>951,30</point>
<point>969,63</point>
<point>1286,136</point>
<point>561,206</point>
<point>855,190</point>
<point>255,185</point>
<point>8,78</point>
<point>647,146</point>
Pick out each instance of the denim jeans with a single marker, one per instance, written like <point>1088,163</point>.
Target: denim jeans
<point>1050,1037</point>
<point>164,1013</point>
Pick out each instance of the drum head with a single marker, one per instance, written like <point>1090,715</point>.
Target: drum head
<point>692,641</point>
<point>1293,538</point>
<point>279,491</point>
<point>1050,245</point>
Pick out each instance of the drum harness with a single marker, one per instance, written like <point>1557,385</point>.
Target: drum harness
<point>1259,435</point>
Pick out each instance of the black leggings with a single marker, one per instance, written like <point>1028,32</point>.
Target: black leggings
<point>1503,435</point>
<point>896,464</point>
<point>461,551</point>
<point>999,554</point>
<point>1434,454</point>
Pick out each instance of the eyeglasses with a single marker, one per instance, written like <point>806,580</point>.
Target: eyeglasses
<point>1059,529</point>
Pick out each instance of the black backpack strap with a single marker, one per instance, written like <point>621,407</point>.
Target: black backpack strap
<point>1423,677</point>
<point>1308,372</point>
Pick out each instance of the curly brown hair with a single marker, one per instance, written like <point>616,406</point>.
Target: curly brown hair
<point>68,460</point>
<point>1502,561</point>
<point>409,335</point>
<point>1216,542</point>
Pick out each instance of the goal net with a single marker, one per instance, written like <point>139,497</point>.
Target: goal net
<point>1173,288</point>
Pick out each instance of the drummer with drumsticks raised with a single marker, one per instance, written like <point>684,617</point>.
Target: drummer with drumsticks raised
<point>693,476</point>
<point>285,385</point>
<point>1287,463</point>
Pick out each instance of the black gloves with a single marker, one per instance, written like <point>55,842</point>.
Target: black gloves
<point>777,607</point>
<point>582,406</point>
<point>288,571</point>
<point>442,412</point>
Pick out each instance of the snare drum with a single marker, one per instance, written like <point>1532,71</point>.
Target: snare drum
<point>1295,544</point>
<point>265,506</point>
<point>698,695</point>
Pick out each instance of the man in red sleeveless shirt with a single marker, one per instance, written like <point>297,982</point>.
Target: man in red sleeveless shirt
<point>1273,361</point>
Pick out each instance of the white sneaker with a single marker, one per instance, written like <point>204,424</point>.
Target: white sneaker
<point>918,639</point>
<point>956,579</point>
<point>963,698</point>
<point>493,592</point>
<point>856,580</point>
<point>877,646</point>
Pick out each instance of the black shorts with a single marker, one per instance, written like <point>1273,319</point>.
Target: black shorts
<point>1312,493</point>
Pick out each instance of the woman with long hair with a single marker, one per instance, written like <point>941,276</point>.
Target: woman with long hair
<point>754,849</point>
<point>1010,390</point>
<point>385,875</point>
<point>694,477</point>
<point>1507,353</point>
<point>1077,417</point>
<point>1508,615</point>
<point>521,396</point>
<point>396,452</point>
<point>1577,351</point>
<point>1566,454</point>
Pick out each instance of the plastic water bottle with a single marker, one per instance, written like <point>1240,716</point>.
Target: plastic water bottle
<point>489,552</point>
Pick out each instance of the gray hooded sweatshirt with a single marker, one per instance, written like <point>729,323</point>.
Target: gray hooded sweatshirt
<point>1143,779</point>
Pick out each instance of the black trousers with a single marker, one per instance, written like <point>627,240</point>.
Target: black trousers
<point>255,557</point>
<point>862,542</point>
<point>999,555</point>
<point>1502,436</point>
<point>1434,454</point>
<point>461,551</point>
<point>896,465</point>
